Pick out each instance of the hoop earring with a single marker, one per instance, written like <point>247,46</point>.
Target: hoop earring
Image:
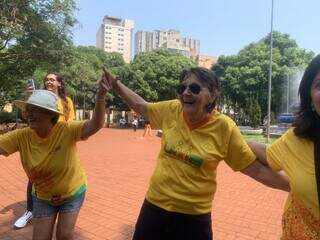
<point>312,107</point>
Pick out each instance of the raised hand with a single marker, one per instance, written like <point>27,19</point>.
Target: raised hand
<point>103,85</point>
<point>30,88</point>
<point>112,79</point>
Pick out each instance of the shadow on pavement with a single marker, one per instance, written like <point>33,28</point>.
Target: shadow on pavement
<point>15,208</point>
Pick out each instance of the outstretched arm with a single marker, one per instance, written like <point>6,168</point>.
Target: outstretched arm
<point>266,176</point>
<point>97,121</point>
<point>133,100</point>
<point>259,150</point>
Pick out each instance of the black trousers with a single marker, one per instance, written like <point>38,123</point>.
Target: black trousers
<point>155,223</point>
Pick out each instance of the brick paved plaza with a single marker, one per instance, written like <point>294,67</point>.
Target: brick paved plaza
<point>119,164</point>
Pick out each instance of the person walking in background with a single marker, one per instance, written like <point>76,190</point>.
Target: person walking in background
<point>147,129</point>
<point>52,82</point>
<point>297,153</point>
<point>135,123</point>
<point>196,137</point>
<point>50,159</point>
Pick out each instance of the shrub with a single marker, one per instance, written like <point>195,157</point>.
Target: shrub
<point>7,117</point>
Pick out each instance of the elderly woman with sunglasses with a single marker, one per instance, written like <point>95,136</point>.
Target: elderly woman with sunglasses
<point>196,137</point>
<point>50,159</point>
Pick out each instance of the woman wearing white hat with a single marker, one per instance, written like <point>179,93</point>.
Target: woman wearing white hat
<point>50,159</point>
<point>54,83</point>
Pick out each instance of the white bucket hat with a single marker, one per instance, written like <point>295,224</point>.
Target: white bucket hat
<point>42,99</point>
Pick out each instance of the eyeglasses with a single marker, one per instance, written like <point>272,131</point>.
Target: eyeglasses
<point>50,79</point>
<point>193,87</point>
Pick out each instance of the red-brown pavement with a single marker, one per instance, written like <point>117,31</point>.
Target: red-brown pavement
<point>119,164</point>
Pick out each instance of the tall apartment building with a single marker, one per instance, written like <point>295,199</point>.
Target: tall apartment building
<point>171,40</point>
<point>115,35</point>
<point>206,61</point>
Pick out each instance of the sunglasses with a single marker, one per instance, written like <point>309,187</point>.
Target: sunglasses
<point>193,87</point>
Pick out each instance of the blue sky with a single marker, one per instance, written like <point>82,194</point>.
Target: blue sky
<point>223,27</point>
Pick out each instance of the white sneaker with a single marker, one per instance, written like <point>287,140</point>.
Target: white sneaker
<point>23,220</point>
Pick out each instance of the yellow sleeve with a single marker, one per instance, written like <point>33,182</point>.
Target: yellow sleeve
<point>9,142</point>
<point>75,128</point>
<point>239,154</point>
<point>157,112</point>
<point>72,114</point>
<point>275,153</point>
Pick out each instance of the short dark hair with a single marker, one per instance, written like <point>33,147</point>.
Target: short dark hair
<point>307,122</point>
<point>207,77</point>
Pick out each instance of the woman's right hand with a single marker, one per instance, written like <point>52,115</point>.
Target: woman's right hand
<point>112,79</point>
<point>29,89</point>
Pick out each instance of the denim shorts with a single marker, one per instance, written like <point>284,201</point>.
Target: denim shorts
<point>44,209</point>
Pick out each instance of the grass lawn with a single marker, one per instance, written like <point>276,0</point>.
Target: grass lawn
<point>258,138</point>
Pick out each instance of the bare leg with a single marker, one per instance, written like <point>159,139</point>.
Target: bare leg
<point>43,228</point>
<point>66,224</point>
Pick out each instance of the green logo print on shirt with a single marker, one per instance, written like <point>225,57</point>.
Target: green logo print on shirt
<point>191,159</point>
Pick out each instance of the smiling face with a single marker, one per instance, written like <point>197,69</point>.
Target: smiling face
<point>195,97</point>
<point>38,118</point>
<point>315,93</point>
<point>51,83</point>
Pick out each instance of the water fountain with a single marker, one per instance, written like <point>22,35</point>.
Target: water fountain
<point>289,103</point>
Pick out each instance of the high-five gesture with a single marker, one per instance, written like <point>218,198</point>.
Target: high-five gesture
<point>111,79</point>
<point>133,100</point>
<point>98,117</point>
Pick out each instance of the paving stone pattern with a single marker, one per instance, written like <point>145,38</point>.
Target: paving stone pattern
<point>119,163</point>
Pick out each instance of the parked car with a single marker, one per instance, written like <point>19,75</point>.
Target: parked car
<point>285,118</point>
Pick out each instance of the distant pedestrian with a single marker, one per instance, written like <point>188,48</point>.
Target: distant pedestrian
<point>147,129</point>
<point>135,123</point>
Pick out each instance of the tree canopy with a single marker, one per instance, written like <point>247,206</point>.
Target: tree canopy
<point>244,76</point>
<point>33,33</point>
<point>154,75</point>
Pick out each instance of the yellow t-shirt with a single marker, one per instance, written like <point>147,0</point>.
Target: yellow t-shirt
<point>295,156</point>
<point>52,164</point>
<point>70,114</point>
<point>184,180</point>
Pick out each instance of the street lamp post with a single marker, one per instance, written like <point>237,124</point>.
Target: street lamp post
<point>288,91</point>
<point>270,76</point>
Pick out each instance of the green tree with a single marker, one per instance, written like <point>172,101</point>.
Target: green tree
<point>33,33</point>
<point>81,71</point>
<point>153,75</point>
<point>254,112</point>
<point>246,74</point>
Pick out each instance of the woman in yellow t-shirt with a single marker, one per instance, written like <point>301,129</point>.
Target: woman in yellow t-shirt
<point>294,153</point>
<point>195,139</point>
<point>52,82</point>
<point>51,161</point>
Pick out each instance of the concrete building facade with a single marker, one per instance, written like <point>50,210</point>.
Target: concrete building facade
<point>171,40</point>
<point>115,35</point>
<point>206,61</point>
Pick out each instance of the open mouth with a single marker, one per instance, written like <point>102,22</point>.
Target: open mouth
<point>188,102</point>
